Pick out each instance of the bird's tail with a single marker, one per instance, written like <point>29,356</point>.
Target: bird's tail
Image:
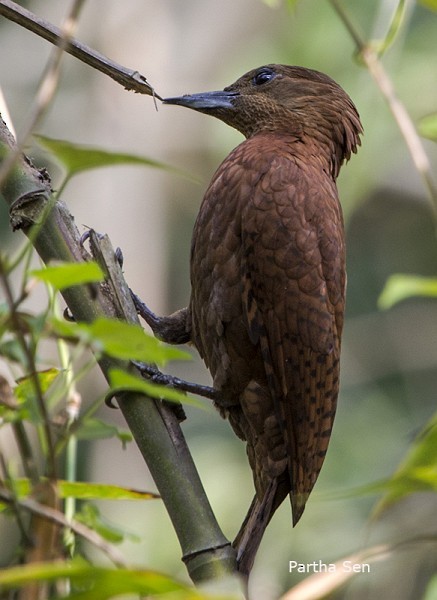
<point>252,530</point>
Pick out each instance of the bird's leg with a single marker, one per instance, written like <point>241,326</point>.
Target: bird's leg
<point>156,376</point>
<point>172,329</point>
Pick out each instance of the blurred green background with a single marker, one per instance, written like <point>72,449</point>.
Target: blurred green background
<point>389,375</point>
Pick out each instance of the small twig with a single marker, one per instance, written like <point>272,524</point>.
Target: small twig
<point>404,121</point>
<point>55,516</point>
<point>398,110</point>
<point>26,452</point>
<point>130,79</point>
<point>13,502</point>
<point>49,81</point>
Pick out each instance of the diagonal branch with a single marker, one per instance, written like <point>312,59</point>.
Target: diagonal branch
<point>130,79</point>
<point>55,516</point>
<point>398,110</point>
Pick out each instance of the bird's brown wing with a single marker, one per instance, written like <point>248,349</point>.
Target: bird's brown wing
<point>293,299</point>
<point>267,270</point>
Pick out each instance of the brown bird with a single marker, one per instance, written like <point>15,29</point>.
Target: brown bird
<point>268,278</point>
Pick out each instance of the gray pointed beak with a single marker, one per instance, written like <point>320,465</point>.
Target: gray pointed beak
<point>205,100</point>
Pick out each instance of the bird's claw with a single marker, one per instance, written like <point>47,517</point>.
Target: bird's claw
<point>154,375</point>
<point>86,236</point>
<point>119,256</point>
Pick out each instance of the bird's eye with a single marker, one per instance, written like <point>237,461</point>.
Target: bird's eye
<point>263,76</point>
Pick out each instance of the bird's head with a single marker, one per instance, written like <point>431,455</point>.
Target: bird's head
<point>304,103</point>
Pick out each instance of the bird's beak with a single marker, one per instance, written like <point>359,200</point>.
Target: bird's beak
<point>205,101</point>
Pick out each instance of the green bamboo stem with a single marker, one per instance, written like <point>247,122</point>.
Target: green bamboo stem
<point>206,552</point>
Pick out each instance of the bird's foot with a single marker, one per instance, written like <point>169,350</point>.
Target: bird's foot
<point>144,311</point>
<point>156,376</point>
<point>86,236</point>
<point>171,329</point>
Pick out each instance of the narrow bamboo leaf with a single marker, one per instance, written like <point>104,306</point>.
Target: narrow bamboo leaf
<point>101,583</point>
<point>130,342</point>
<point>272,3</point>
<point>291,4</point>
<point>91,517</point>
<point>95,429</point>
<point>375,487</point>
<point>25,384</point>
<point>104,582</point>
<point>120,340</point>
<point>65,275</point>
<point>13,351</point>
<point>101,491</point>
<point>428,125</point>
<point>68,329</point>
<point>76,158</point>
<point>121,381</point>
<point>431,589</point>
<point>26,394</point>
<point>86,491</point>
<point>417,472</point>
<point>382,46</point>
<point>431,4</point>
<point>400,287</point>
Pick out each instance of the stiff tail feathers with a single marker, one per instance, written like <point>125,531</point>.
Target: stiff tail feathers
<point>258,517</point>
<point>252,530</point>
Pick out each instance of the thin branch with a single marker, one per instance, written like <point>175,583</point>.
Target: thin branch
<point>50,78</point>
<point>128,78</point>
<point>57,517</point>
<point>398,110</point>
<point>13,502</point>
<point>49,81</point>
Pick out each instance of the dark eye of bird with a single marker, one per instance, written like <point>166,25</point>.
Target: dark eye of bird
<point>263,77</point>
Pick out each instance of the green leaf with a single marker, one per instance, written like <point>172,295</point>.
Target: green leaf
<point>26,394</point>
<point>64,275</point>
<point>121,381</point>
<point>25,388</point>
<point>375,487</point>
<point>95,429</point>
<point>400,287</point>
<point>381,46</point>
<point>90,516</point>
<point>291,4</point>
<point>130,342</point>
<point>77,158</point>
<point>85,491</point>
<point>100,583</point>
<point>13,351</point>
<point>428,126</point>
<point>417,472</point>
<point>431,589</point>
<point>431,4</point>
<point>120,340</point>
<point>101,491</point>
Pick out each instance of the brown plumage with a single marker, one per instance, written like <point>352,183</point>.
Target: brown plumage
<point>268,278</point>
